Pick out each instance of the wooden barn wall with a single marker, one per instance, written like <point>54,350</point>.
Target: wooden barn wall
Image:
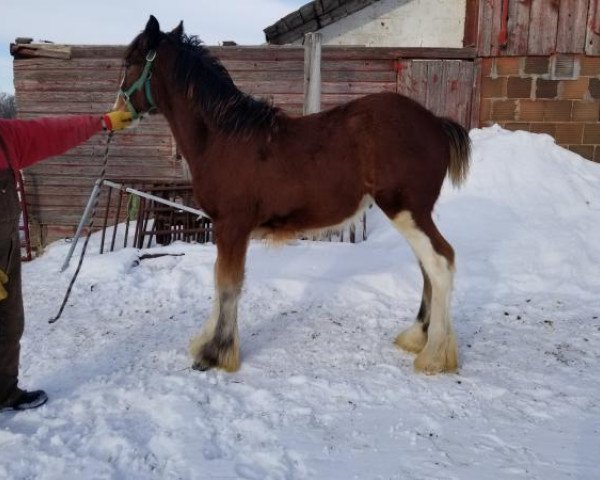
<point>538,27</point>
<point>58,188</point>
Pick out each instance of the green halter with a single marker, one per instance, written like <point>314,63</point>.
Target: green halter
<point>143,84</point>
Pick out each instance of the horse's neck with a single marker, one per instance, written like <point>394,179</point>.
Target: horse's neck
<point>188,127</point>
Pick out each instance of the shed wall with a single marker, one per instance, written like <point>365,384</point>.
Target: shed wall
<point>393,23</point>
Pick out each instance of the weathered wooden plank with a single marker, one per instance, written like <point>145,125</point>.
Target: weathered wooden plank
<point>404,84</point>
<point>23,85</point>
<point>471,23</point>
<point>373,64</point>
<point>85,182</point>
<point>61,217</point>
<point>412,80</point>
<point>42,108</point>
<point>466,93</point>
<point>339,98</point>
<point>452,91</point>
<point>75,75</point>
<point>98,51</point>
<point>128,170</point>
<point>392,53</point>
<point>94,164</point>
<point>76,199</point>
<point>359,76</point>
<point>143,150</point>
<point>47,50</point>
<point>74,63</point>
<point>498,16</point>
<point>475,95</point>
<point>543,27</point>
<point>572,19</point>
<point>262,53</point>
<point>250,68</point>
<point>518,27</point>
<point>289,52</point>
<point>420,70</point>
<point>592,40</point>
<point>31,97</point>
<point>436,74</point>
<point>267,88</point>
<point>486,22</point>
<point>358,88</point>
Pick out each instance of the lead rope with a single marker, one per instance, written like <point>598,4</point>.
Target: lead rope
<point>89,234</point>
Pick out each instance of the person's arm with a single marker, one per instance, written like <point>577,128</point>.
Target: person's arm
<point>40,138</point>
<point>35,140</point>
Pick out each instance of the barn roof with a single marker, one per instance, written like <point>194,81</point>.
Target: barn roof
<point>312,17</point>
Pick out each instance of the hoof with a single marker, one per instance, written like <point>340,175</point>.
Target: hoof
<point>438,359</point>
<point>413,339</point>
<point>201,366</point>
<point>211,355</point>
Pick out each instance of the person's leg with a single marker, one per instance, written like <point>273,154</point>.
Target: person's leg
<point>11,308</point>
<point>11,311</point>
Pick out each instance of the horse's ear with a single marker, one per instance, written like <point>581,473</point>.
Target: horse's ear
<point>152,32</point>
<point>178,30</point>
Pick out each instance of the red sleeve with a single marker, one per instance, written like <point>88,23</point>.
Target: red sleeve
<point>33,140</point>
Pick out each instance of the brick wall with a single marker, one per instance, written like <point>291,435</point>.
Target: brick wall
<point>558,95</point>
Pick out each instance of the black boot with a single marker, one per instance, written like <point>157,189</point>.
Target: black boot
<point>24,400</point>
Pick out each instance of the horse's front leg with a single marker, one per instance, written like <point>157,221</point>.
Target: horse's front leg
<point>217,345</point>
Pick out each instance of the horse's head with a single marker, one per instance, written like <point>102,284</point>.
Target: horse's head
<point>136,91</point>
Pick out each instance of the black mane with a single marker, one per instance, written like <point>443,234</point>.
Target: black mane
<point>207,83</point>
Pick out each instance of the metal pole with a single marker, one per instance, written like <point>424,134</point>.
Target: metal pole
<point>148,196</point>
<point>96,192</point>
<point>82,222</point>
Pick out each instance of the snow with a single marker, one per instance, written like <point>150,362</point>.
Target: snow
<point>322,392</point>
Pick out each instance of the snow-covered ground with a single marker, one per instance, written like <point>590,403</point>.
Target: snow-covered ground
<point>322,392</point>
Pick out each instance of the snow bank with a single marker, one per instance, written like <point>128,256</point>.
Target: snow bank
<point>322,392</point>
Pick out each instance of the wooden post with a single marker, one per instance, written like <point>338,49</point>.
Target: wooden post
<point>312,73</point>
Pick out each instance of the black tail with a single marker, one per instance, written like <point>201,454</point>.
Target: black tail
<point>460,151</point>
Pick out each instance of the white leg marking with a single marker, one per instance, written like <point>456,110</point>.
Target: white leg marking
<point>440,353</point>
<point>207,332</point>
<point>221,330</point>
<point>413,339</point>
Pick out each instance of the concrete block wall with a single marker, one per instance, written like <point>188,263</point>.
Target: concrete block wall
<point>558,95</point>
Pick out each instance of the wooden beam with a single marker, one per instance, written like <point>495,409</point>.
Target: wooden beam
<point>312,73</point>
<point>331,52</point>
<point>46,50</point>
<point>471,23</point>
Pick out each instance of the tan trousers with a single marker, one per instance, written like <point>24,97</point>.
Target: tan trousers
<point>11,309</point>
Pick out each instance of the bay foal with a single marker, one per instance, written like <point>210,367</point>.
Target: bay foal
<point>259,172</point>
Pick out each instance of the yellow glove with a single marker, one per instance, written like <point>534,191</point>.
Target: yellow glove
<point>3,281</point>
<point>116,120</point>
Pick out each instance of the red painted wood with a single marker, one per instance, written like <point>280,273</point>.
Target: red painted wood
<point>471,23</point>
<point>503,35</point>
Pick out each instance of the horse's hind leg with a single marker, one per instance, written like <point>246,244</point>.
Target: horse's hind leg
<point>414,338</point>
<point>440,352</point>
<point>218,344</point>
